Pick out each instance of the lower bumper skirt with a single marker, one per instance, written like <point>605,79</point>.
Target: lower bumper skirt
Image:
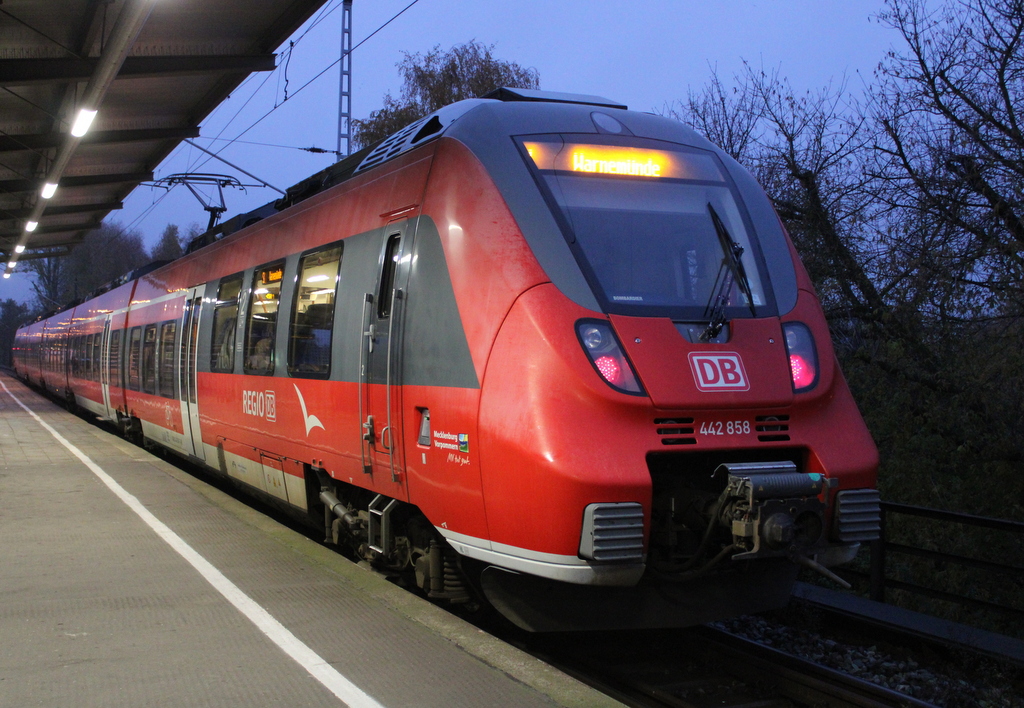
<point>543,605</point>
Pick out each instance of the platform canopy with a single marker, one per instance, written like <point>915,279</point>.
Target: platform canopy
<point>151,69</point>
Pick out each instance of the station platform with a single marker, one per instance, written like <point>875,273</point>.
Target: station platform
<point>125,581</point>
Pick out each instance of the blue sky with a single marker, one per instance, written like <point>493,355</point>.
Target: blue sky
<point>645,54</point>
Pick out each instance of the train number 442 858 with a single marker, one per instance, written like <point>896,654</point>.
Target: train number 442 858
<point>728,427</point>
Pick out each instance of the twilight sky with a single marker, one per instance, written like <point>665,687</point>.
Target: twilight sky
<point>645,54</point>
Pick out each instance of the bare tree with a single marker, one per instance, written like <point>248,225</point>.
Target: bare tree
<point>908,212</point>
<point>103,255</point>
<point>49,282</point>
<point>13,314</point>
<point>438,78</point>
<point>808,152</point>
<point>730,117</point>
<point>951,148</point>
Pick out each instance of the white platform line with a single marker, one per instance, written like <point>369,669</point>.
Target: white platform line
<point>277,632</point>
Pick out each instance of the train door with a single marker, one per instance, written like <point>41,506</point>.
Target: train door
<point>187,354</point>
<point>104,363</point>
<point>381,365</point>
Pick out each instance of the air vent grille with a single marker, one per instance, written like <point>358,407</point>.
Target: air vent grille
<point>675,431</point>
<point>393,145</point>
<point>858,515</point>
<point>613,533</point>
<point>772,428</point>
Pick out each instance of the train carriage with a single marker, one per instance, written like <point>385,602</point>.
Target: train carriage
<point>535,348</point>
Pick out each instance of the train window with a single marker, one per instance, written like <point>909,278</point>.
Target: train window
<point>88,373</point>
<point>261,328</point>
<point>225,320</point>
<point>75,356</point>
<point>309,341</point>
<point>648,222</point>
<point>90,356</point>
<point>166,359</point>
<point>83,356</point>
<point>387,276</point>
<point>134,358</point>
<point>149,359</point>
<point>84,352</point>
<point>114,358</point>
<point>97,358</point>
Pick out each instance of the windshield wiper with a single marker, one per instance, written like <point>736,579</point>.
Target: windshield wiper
<point>731,271</point>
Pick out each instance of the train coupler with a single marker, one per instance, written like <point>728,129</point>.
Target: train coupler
<point>773,510</point>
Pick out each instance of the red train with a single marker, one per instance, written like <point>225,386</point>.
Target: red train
<point>535,347</point>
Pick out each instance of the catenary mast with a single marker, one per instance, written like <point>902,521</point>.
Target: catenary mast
<point>345,82</point>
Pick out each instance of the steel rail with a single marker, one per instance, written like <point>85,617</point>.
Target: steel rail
<point>799,679</point>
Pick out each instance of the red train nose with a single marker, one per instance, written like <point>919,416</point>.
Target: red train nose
<point>751,369</point>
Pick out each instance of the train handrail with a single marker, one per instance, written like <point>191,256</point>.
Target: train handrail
<point>879,582</point>
<point>365,347</point>
<point>954,516</point>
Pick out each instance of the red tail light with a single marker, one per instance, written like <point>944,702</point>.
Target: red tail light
<point>803,358</point>
<point>606,355</point>
<point>609,368</point>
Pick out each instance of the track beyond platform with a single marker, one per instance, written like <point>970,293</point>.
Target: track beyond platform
<point>127,582</point>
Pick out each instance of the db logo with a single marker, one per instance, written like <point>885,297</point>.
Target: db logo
<point>719,371</point>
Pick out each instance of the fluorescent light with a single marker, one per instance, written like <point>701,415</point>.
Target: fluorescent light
<point>7,275</point>
<point>31,225</point>
<point>317,278</point>
<point>20,248</point>
<point>11,264</point>
<point>82,122</point>
<point>49,189</point>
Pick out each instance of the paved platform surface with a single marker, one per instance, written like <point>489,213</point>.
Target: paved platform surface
<point>101,606</point>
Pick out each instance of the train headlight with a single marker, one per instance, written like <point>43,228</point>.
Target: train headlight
<point>607,357</point>
<point>803,357</point>
<point>592,336</point>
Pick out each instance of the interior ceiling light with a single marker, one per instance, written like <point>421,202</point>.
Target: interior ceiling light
<point>20,248</point>
<point>31,226</point>
<point>7,275</point>
<point>49,189</point>
<point>11,264</point>
<point>82,122</point>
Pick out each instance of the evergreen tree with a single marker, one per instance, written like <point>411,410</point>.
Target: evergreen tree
<point>169,246</point>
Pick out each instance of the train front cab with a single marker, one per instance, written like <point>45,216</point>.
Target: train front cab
<point>674,433</point>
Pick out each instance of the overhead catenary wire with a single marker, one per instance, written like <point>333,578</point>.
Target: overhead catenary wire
<point>324,14</point>
<point>273,145</point>
<point>199,162</point>
<point>321,73</point>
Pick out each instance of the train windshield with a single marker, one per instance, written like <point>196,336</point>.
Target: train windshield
<point>641,220</point>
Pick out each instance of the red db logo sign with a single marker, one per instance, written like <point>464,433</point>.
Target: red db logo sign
<point>719,371</point>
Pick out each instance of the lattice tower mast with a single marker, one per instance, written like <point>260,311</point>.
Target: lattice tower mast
<point>345,82</point>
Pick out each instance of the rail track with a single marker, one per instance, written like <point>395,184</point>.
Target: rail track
<point>703,667</point>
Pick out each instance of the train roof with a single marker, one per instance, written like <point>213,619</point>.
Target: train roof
<point>513,111</point>
<point>481,123</point>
